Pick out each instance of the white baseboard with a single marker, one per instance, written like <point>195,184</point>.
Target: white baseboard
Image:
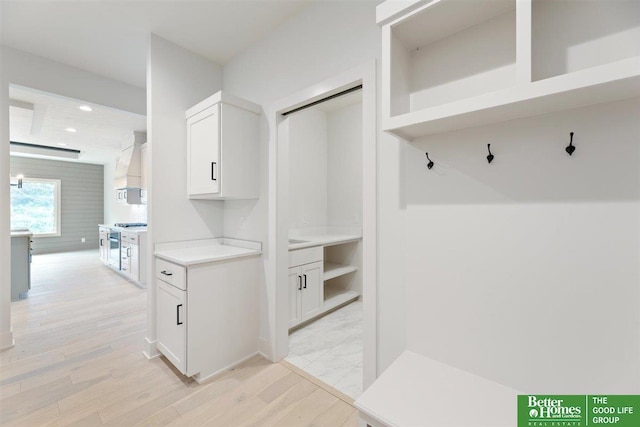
<point>264,350</point>
<point>200,379</point>
<point>6,340</point>
<point>150,349</point>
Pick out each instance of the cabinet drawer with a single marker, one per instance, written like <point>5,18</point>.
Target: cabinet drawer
<point>305,256</point>
<point>170,273</point>
<point>129,237</point>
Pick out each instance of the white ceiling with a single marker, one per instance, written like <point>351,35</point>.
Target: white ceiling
<point>109,37</point>
<point>100,134</point>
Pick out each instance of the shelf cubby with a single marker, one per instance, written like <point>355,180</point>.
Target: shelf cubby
<point>455,64</point>
<point>335,294</point>
<point>333,270</point>
<point>569,36</point>
<point>450,50</point>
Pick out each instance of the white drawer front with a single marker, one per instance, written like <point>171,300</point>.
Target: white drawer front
<point>172,274</point>
<point>305,256</point>
<point>129,237</point>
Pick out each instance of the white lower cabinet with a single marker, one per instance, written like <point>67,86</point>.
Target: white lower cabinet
<point>130,257</point>
<point>172,331</point>
<point>306,288</point>
<point>207,314</point>
<point>103,244</point>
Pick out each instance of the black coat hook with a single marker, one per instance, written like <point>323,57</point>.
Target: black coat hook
<point>430,164</point>
<point>570,148</point>
<point>490,157</point>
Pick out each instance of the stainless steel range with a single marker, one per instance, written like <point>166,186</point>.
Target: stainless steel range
<point>114,248</point>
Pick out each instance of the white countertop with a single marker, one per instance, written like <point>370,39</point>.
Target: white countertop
<point>204,254</point>
<point>125,229</point>
<point>21,233</point>
<point>312,240</point>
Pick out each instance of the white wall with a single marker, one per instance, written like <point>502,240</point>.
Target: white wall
<point>24,69</point>
<point>6,334</point>
<point>119,212</point>
<point>537,239</point>
<point>344,166</point>
<point>526,271</point>
<point>177,79</point>
<point>325,40</point>
<point>308,169</point>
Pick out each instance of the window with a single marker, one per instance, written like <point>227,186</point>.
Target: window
<point>36,206</point>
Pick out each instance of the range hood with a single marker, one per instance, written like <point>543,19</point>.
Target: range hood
<point>128,168</point>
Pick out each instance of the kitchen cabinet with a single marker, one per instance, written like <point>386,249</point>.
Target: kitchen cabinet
<point>129,196</point>
<point>131,261</point>
<point>208,313</point>
<point>103,244</point>
<point>20,264</point>
<point>126,251</point>
<point>223,134</point>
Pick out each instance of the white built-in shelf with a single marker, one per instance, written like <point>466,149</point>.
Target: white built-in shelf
<point>454,64</point>
<point>333,270</point>
<point>418,391</point>
<point>334,297</point>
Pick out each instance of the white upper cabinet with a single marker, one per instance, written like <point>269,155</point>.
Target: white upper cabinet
<point>453,64</point>
<point>223,135</point>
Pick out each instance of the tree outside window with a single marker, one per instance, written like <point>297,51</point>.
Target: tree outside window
<point>36,206</point>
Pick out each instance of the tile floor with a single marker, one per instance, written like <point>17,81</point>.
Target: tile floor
<point>331,349</point>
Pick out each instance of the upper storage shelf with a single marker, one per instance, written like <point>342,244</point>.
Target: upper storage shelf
<point>452,64</point>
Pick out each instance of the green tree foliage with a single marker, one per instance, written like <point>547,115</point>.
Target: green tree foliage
<point>34,207</point>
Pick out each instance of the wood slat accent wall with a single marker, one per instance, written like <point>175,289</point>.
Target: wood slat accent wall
<point>82,204</point>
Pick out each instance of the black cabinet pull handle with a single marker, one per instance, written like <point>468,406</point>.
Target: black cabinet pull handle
<point>213,173</point>
<point>299,283</point>
<point>165,273</point>
<point>305,281</point>
<point>101,242</point>
<point>178,322</point>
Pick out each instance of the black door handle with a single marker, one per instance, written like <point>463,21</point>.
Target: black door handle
<point>299,283</point>
<point>101,242</point>
<point>213,174</point>
<point>178,322</point>
<point>305,281</point>
<point>165,273</point>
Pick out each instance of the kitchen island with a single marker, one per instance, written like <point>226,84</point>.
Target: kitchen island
<point>20,263</point>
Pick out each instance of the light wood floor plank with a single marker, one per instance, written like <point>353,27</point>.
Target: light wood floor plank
<point>78,362</point>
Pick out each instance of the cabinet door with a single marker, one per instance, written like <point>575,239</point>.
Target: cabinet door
<point>203,152</point>
<point>295,288</point>
<point>104,246</point>
<point>171,323</point>
<point>134,262</point>
<point>312,290</point>
<point>125,249</point>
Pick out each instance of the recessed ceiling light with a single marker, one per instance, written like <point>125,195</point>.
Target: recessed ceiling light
<point>72,130</point>
<point>85,108</point>
<point>62,144</point>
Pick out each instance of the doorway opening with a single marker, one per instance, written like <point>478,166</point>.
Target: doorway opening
<point>326,233</point>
